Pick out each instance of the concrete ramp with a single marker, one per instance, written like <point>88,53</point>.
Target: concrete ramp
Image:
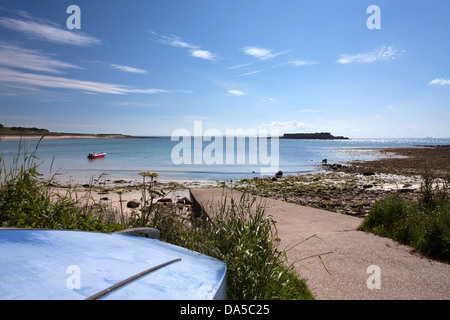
<point>359,265</point>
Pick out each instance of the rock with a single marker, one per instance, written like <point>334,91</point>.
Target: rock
<point>184,200</point>
<point>368,173</point>
<point>279,174</point>
<point>407,185</point>
<point>132,204</point>
<point>180,205</point>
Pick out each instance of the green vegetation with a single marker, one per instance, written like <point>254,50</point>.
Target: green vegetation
<point>22,130</point>
<point>245,238</point>
<point>242,235</point>
<point>329,191</point>
<point>421,221</point>
<point>423,224</point>
<point>26,202</point>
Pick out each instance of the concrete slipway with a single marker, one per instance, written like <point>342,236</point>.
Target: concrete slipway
<point>400,273</point>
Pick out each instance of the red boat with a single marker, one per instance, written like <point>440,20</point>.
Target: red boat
<point>96,155</point>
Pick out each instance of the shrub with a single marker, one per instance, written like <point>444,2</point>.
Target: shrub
<point>423,224</point>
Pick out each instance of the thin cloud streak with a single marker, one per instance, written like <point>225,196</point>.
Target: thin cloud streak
<point>17,57</point>
<point>261,53</point>
<point>194,50</point>
<point>381,54</point>
<point>236,92</point>
<point>48,32</point>
<point>8,76</point>
<point>128,69</point>
<point>286,125</point>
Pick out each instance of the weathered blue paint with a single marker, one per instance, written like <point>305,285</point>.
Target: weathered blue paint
<point>36,264</point>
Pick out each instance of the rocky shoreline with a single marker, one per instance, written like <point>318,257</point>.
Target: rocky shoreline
<point>409,161</point>
<point>354,187</point>
<point>346,193</point>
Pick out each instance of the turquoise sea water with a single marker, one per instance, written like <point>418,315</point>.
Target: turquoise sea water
<point>127,157</point>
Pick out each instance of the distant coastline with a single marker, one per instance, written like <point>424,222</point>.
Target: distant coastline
<point>16,133</point>
<point>312,136</point>
<point>35,136</point>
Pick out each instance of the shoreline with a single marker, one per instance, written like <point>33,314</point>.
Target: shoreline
<point>348,189</point>
<point>417,160</point>
<point>5,136</point>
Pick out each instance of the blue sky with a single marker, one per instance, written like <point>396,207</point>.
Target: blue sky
<point>150,67</point>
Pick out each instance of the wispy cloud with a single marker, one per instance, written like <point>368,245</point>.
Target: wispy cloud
<point>441,82</point>
<point>174,41</point>
<point>203,54</point>
<point>8,76</point>
<point>194,50</point>
<point>236,92</point>
<point>18,57</point>
<point>300,63</point>
<point>238,66</point>
<point>282,126</point>
<point>381,54</point>
<point>251,72</point>
<point>47,31</point>
<point>261,53</point>
<point>128,69</point>
<point>295,62</point>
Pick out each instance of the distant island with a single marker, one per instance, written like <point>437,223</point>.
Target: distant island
<point>312,136</point>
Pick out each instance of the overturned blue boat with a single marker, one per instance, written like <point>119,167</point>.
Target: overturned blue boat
<point>77,265</point>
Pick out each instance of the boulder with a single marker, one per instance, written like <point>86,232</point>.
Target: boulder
<point>132,204</point>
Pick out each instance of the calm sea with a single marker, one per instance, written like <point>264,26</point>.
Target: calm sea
<point>127,157</point>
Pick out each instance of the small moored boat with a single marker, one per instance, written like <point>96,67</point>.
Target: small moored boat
<point>96,155</point>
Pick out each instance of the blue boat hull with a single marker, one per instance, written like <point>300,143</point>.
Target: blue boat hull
<point>59,264</point>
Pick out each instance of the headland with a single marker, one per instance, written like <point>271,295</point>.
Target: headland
<point>312,136</point>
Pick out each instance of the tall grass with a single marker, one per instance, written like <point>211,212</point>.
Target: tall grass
<point>423,224</point>
<point>242,235</point>
<point>28,202</point>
